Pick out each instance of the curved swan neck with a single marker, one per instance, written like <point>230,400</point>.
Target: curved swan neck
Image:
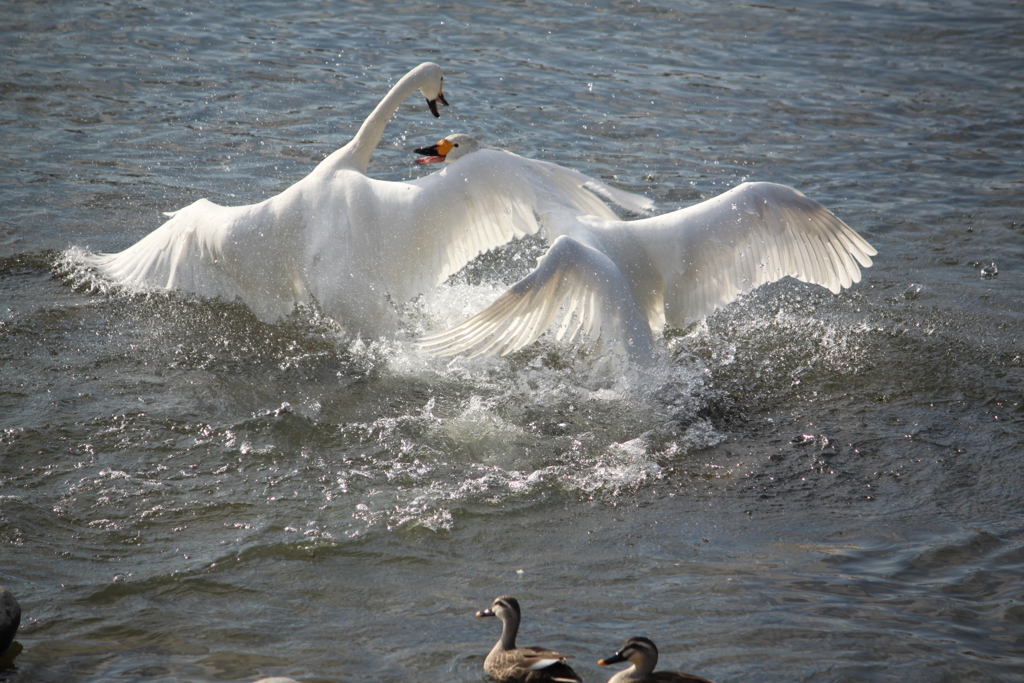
<point>357,152</point>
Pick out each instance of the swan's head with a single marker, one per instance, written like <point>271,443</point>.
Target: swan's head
<point>449,149</point>
<point>432,79</point>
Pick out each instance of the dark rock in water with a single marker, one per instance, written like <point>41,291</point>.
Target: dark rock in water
<point>10,619</point>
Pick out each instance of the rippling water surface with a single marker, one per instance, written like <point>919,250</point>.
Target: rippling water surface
<point>805,486</point>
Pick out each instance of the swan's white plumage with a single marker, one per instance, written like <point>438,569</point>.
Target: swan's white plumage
<point>350,242</point>
<point>484,201</point>
<point>624,280</point>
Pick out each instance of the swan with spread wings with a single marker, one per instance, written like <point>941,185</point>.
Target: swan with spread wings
<point>624,280</point>
<point>353,244</point>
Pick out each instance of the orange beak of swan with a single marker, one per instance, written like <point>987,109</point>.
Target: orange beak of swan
<point>435,154</point>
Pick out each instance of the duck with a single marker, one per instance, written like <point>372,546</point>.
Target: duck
<point>506,662</point>
<point>642,653</point>
<point>624,280</point>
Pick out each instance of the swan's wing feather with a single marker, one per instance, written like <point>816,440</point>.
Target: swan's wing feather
<point>573,280</point>
<point>217,252</point>
<point>711,253</point>
<point>615,279</point>
<point>157,260</point>
<point>567,181</point>
<point>485,200</point>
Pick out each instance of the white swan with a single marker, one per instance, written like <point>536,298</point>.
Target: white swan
<point>624,280</point>
<point>352,243</point>
<point>314,240</point>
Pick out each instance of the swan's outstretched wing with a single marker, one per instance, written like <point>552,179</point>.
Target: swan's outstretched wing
<point>572,279</point>
<point>709,254</point>
<point>488,198</point>
<point>218,252</point>
<point>262,253</point>
<point>678,267</point>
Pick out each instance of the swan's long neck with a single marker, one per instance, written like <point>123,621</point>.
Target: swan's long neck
<point>357,152</point>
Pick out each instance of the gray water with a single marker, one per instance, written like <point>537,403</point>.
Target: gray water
<point>805,486</point>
